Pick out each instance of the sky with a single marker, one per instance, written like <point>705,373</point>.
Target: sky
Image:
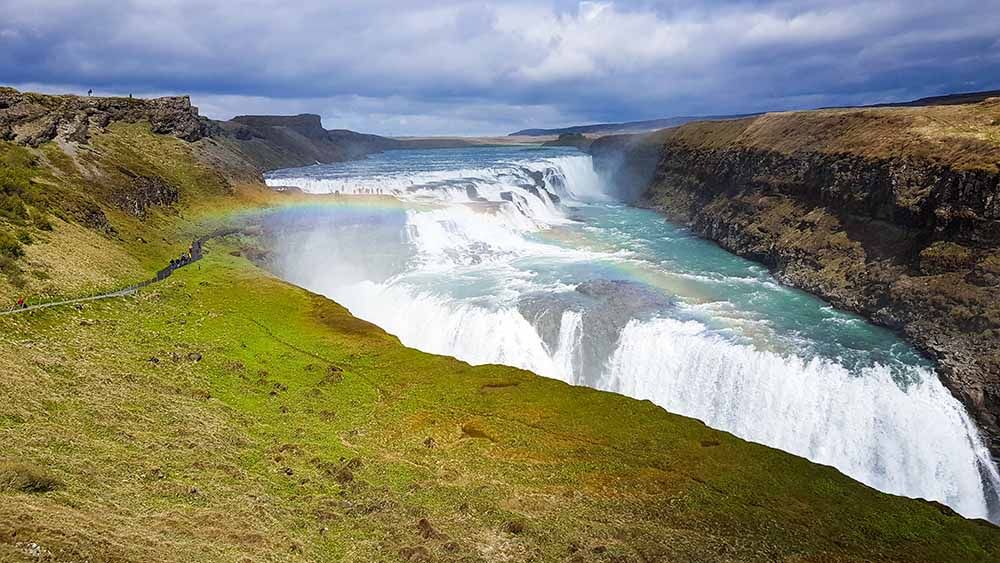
<point>415,67</point>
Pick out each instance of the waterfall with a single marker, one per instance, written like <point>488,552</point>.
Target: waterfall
<point>501,263</point>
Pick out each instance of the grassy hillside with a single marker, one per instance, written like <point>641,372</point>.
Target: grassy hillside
<point>962,136</point>
<point>106,212</point>
<point>224,415</point>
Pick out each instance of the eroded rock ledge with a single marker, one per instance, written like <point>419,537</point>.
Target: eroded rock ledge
<point>901,233</point>
<point>33,119</point>
<point>243,147</point>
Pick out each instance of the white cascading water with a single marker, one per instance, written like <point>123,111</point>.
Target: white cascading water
<point>910,438</point>
<point>914,442</point>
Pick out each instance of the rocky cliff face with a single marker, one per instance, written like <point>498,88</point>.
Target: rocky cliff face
<point>88,130</point>
<point>628,162</point>
<point>33,119</point>
<point>271,142</point>
<point>244,147</point>
<point>910,241</point>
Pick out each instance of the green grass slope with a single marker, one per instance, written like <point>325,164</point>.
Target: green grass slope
<point>225,414</point>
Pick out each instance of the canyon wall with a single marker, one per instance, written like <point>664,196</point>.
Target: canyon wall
<point>893,214</point>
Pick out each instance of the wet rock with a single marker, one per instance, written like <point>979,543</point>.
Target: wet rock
<point>604,306</point>
<point>473,194</point>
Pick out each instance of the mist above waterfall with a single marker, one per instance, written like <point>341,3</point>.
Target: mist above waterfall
<point>521,256</point>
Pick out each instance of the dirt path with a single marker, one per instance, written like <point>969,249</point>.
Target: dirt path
<point>119,293</point>
<point>185,259</point>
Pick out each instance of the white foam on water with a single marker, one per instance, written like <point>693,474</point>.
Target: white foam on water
<point>917,442</point>
<point>477,334</point>
<point>582,182</point>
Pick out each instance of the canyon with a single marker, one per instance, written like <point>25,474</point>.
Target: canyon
<point>892,213</point>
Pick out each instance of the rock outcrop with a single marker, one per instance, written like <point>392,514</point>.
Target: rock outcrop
<point>892,214</point>
<point>270,141</point>
<point>578,140</point>
<point>243,147</point>
<point>33,119</point>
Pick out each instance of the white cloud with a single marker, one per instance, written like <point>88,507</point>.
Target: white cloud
<point>590,11</point>
<point>579,60</point>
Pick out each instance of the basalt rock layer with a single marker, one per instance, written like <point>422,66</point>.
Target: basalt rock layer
<point>890,213</point>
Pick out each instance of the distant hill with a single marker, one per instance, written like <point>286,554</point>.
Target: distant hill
<point>655,124</point>
<point>946,100</point>
<point>276,141</point>
<point>627,127</point>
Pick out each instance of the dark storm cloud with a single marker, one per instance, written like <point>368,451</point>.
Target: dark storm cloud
<point>461,66</point>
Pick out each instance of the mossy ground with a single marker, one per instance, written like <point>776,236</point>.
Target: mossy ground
<point>223,415</point>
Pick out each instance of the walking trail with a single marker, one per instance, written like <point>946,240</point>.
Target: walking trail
<point>190,257</point>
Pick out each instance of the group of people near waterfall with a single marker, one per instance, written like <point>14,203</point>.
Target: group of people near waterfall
<point>193,253</point>
<point>367,191</point>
